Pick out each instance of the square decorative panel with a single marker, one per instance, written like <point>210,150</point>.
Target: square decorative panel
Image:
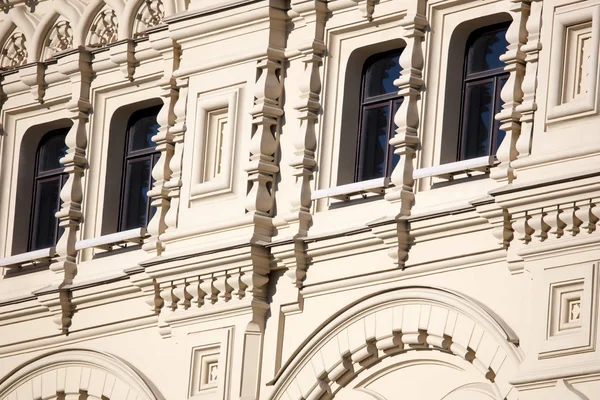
<point>209,370</point>
<point>570,293</point>
<point>572,89</point>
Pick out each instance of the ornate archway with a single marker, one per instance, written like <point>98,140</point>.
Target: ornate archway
<point>395,322</point>
<point>82,374</point>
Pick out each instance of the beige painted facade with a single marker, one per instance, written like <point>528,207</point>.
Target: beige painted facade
<point>475,286</point>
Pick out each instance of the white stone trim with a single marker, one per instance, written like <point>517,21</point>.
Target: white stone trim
<point>18,260</point>
<point>343,192</point>
<point>111,377</point>
<point>107,242</point>
<point>447,171</point>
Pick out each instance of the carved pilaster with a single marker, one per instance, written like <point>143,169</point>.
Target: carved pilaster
<point>75,65</point>
<point>313,14</point>
<point>528,107</point>
<point>163,139</point>
<point>512,95</point>
<point>177,131</point>
<point>410,84</point>
<point>263,167</point>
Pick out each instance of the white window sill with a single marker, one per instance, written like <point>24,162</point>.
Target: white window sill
<point>31,257</point>
<point>448,171</point>
<point>344,192</point>
<point>108,242</point>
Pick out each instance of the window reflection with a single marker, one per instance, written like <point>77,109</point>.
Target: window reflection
<point>484,78</point>
<point>49,178</point>
<point>140,158</point>
<point>379,102</point>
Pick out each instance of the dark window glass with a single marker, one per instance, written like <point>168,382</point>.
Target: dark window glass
<point>483,80</point>
<point>140,158</point>
<point>379,103</point>
<point>49,178</point>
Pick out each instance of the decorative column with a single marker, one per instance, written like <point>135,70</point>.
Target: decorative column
<point>312,14</point>
<point>76,66</point>
<point>178,132</point>
<point>406,139</point>
<point>512,95</point>
<point>531,50</point>
<point>263,168</point>
<point>161,42</point>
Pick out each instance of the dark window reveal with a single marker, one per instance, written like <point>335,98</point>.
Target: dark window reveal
<point>140,158</point>
<point>379,103</point>
<point>49,178</point>
<point>484,77</point>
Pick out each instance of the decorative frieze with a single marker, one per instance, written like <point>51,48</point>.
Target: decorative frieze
<point>104,29</point>
<point>150,14</point>
<point>14,52</point>
<point>59,39</point>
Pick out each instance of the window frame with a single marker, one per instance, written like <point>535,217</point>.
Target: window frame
<point>495,76</point>
<point>130,156</point>
<point>41,177</point>
<point>392,100</point>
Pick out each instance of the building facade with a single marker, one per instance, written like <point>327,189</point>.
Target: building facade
<point>299,199</point>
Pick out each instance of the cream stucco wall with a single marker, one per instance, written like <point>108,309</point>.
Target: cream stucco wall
<point>483,286</point>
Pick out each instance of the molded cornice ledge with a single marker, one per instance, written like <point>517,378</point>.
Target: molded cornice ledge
<point>214,282</point>
<point>541,220</point>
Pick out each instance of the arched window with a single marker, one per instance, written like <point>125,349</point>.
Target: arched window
<point>49,177</point>
<point>483,78</point>
<point>140,158</point>
<point>379,101</point>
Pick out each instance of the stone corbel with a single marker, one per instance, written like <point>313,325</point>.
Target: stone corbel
<point>32,75</point>
<point>58,302</point>
<point>512,94</point>
<point>499,218</point>
<point>76,65</point>
<point>395,234</point>
<point>366,8</point>
<point>122,54</point>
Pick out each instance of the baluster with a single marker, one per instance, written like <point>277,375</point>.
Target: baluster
<point>536,222</point>
<point>522,228</point>
<point>554,221</point>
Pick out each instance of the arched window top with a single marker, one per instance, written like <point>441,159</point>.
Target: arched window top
<point>380,72</point>
<point>51,149</point>
<point>485,46</point>
<point>141,128</point>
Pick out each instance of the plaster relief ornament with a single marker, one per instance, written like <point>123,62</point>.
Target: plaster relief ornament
<point>14,52</point>
<point>59,39</point>
<point>104,29</point>
<point>150,14</point>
